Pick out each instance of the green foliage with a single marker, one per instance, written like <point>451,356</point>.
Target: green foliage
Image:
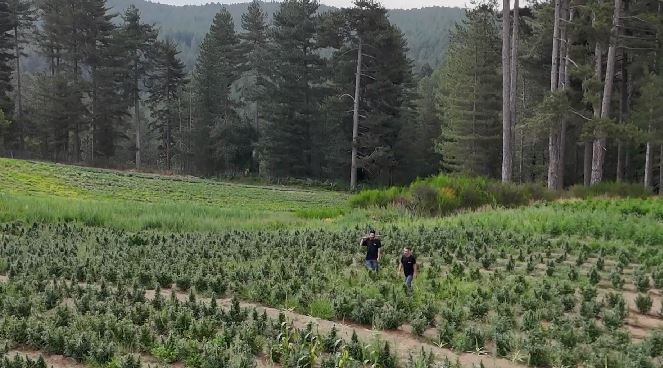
<point>443,194</point>
<point>468,104</point>
<point>643,303</point>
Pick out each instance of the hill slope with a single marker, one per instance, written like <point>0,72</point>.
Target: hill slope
<point>427,29</point>
<point>36,191</point>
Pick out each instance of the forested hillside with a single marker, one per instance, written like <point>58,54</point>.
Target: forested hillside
<point>558,94</point>
<point>426,30</point>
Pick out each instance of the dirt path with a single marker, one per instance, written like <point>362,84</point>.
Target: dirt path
<point>401,341</point>
<point>54,361</point>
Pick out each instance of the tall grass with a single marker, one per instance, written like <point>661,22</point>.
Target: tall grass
<point>445,194</point>
<point>135,216</point>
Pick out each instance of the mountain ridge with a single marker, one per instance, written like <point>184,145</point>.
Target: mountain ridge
<point>426,29</point>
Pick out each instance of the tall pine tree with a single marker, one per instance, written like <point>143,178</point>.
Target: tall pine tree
<point>470,104</point>
<point>165,85</point>
<point>293,96</point>
<point>255,48</point>
<point>218,129</point>
<point>139,39</point>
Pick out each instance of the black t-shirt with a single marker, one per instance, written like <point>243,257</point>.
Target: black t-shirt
<point>372,246</point>
<point>408,264</point>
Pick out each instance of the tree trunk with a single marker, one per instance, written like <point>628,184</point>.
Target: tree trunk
<point>600,139</point>
<point>513,87</point>
<point>137,114</point>
<point>649,154</point>
<point>554,71</point>
<point>596,106</point>
<point>355,120</point>
<point>623,106</point>
<point>649,163</point>
<point>553,133</point>
<point>506,87</point>
<point>563,82</point>
<point>19,99</point>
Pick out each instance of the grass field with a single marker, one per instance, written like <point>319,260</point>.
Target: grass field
<point>563,283</point>
<point>43,192</point>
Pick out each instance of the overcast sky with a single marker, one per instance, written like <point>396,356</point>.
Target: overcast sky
<point>391,4</point>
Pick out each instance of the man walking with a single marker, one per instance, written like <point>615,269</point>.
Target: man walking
<point>372,244</point>
<point>409,266</point>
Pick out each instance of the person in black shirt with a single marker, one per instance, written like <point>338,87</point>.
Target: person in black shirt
<point>372,244</point>
<point>409,266</point>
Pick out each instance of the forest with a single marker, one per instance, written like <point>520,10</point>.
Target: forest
<point>314,94</point>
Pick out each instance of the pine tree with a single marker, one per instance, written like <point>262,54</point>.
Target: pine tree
<point>649,113</point>
<point>23,15</point>
<point>105,59</point>
<point>110,103</point>
<point>254,46</point>
<point>165,82</point>
<point>218,127</point>
<point>371,64</point>
<point>6,57</point>
<point>293,96</point>
<point>139,38</point>
<point>470,101</point>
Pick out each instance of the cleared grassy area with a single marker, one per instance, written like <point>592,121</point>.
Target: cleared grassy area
<point>72,182</point>
<point>43,192</point>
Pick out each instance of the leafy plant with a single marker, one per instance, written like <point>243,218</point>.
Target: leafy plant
<point>643,303</point>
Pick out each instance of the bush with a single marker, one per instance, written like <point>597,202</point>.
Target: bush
<point>643,303</point>
<point>641,281</point>
<point>610,189</point>
<point>508,195</point>
<point>443,194</point>
<point>425,199</point>
<point>419,324</point>
<point>389,318</point>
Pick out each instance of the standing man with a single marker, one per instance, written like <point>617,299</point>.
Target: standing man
<point>409,266</point>
<point>372,244</point>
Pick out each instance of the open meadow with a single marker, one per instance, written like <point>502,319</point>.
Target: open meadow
<point>108,269</point>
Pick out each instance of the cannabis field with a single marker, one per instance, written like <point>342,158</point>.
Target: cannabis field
<point>561,284</point>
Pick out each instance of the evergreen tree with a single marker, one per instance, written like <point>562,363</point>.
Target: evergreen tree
<point>138,38</point>
<point>371,61</point>
<point>291,146</point>
<point>6,57</point>
<point>255,47</point>
<point>470,104</point>
<point>23,15</point>
<point>218,127</point>
<point>649,115</point>
<point>109,100</point>
<point>165,83</point>
<point>105,58</point>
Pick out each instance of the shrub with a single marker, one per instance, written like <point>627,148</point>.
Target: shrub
<point>389,317</point>
<point>594,276</point>
<point>643,303</point>
<point>616,280</point>
<point>503,343</point>
<point>657,276</point>
<point>612,319</point>
<point>610,189</point>
<point>508,195</point>
<point>641,281</point>
<point>425,199</point>
<point>363,312</point>
<point>419,324</point>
